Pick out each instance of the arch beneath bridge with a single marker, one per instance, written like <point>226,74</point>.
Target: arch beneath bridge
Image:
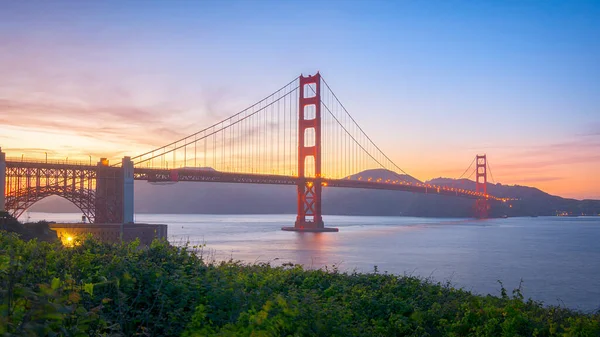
<point>19,201</point>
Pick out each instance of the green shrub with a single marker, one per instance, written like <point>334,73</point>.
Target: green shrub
<point>97,289</point>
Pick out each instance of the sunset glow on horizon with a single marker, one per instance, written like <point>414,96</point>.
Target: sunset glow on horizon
<point>431,85</point>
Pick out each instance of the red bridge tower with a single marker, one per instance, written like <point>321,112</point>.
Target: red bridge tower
<point>309,218</point>
<point>481,205</point>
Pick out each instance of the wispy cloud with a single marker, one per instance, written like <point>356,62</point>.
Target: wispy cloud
<point>74,152</point>
<point>532,180</point>
<point>29,150</point>
<point>525,163</point>
<point>593,129</point>
<point>151,126</point>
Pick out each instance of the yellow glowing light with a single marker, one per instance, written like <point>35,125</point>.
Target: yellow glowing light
<point>68,240</point>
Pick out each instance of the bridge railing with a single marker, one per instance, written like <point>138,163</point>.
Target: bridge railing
<point>50,161</point>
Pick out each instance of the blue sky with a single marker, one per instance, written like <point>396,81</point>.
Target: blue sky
<point>432,82</point>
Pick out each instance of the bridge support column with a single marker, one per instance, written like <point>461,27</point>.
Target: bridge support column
<point>114,192</point>
<point>2,181</point>
<point>309,217</point>
<point>481,205</point>
<point>127,166</point>
<point>109,193</point>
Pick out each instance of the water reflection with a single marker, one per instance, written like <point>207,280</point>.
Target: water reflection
<point>311,249</point>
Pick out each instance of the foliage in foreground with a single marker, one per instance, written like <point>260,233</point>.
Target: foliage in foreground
<point>122,290</point>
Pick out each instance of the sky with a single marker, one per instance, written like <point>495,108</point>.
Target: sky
<point>433,83</point>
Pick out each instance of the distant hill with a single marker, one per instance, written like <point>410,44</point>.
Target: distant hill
<point>532,201</point>
<point>383,175</point>
<point>220,198</point>
<point>54,204</point>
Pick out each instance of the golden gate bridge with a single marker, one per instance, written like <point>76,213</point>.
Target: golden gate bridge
<point>299,135</point>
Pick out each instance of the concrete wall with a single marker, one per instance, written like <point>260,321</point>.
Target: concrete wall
<point>111,233</point>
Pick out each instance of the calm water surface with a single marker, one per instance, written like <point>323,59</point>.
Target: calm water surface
<point>557,258</point>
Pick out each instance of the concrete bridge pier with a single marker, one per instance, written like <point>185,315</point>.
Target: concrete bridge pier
<point>114,192</point>
<point>2,181</point>
<point>127,166</point>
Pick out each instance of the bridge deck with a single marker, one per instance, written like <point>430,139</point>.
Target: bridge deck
<point>203,175</point>
<point>199,175</point>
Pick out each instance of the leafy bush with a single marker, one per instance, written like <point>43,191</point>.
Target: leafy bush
<point>96,289</point>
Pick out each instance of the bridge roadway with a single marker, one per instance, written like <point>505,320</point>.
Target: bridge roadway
<point>203,175</point>
<point>158,175</point>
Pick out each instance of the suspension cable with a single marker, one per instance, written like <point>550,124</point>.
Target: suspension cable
<point>213,132</point>
<point>361,130</point>
<point>351,136</point>
<point>467,169</point>
<point>220,122</point>
<point>491,174</point>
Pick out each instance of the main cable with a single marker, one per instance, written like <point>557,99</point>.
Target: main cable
<point>214,132</point>
<point>220,122</point>
<point>474,158</point>
<point>361,130</point>
<point>491,174</point>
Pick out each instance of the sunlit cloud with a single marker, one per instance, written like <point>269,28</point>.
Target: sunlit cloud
<point>525,163</point>
<point>142,125</point>
<point>532,180</point>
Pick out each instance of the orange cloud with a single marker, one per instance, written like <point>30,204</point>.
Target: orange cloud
<point>567,168</point>
<point>149,126</point>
